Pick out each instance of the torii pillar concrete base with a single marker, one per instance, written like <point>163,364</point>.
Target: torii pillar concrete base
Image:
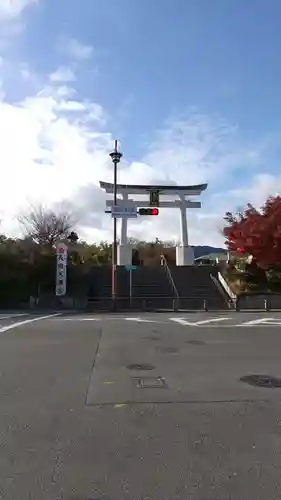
<point>184,255</point>
<point>124,255</point>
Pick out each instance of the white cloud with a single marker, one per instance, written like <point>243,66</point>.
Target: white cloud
<point>256,191</point>
<point>62,74</point>
<point>197,149</point>
<point>75,49</point>
<point>25,73</point>
<point>54,147</point>
<point>47,155</point>
<point>11,9</point>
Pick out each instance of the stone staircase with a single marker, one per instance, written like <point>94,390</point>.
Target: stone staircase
<point>152,288</point>
<point>196,288</point>
<point>99,287</point>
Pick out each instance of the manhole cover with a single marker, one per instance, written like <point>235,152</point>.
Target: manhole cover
<point>150,382</point>
<point>170,350</point>
<point>262,381</point>
<point>141,367</point>
<point>195,342</point>
<point>152,337</point>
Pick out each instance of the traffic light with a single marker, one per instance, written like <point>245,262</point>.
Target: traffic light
<point>148,211</point>
<point>73,237</point>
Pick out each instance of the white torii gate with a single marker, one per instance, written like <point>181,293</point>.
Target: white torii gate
<point>184,253</point>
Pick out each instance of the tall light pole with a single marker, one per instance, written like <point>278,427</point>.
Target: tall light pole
<point>115,157</point>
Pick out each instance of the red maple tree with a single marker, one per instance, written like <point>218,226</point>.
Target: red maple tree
<point>257,233</point>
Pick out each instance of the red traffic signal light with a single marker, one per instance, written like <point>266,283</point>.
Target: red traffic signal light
<point>148,211</point>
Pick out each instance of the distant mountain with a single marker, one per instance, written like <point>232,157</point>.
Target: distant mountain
<point>206,250</point>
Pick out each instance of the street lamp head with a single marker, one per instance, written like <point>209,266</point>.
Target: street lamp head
<point>115,156</point>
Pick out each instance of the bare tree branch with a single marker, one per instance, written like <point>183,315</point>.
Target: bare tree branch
<point>46,226</point>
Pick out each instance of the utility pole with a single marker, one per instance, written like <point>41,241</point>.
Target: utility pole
<point>115,157</point>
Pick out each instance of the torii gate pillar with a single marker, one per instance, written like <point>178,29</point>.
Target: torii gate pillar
<point>184,253</point>
<point>124,249</point>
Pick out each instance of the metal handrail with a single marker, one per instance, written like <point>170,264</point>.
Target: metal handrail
<point>149,297</point>
<point>152,304</point>
<point>229,301</point>
<point>169,274</point>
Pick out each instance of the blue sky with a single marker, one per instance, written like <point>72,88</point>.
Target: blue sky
<point>220,56</point>
<point>191,88</point>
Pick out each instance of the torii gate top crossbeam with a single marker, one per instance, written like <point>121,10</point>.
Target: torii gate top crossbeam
<point>164,190</point>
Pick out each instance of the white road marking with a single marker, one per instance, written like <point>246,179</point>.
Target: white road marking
<point>142,320</point>
<point>26,322</point>
<point>79,319</point>
<point>206,323</point>
<point>7,316</point>
<point>182,321</point>
<point>262,321</point>
<point>212,320</point>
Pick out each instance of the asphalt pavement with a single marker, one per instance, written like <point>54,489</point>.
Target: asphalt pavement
<point>140,407</point>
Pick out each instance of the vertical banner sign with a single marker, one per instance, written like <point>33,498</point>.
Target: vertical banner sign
<point>61,275</point>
